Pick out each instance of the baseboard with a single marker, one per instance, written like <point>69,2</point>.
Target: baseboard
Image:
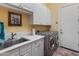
<point>70,49</point>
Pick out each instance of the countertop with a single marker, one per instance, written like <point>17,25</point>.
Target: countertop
<point>31,39</point>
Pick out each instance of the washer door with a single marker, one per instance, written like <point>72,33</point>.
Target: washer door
<point>51,43</point>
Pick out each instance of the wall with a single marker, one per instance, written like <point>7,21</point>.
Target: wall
<point>25,21</point>
<point>54,8</point>
<point>42,27</point>
<point>26,26</point>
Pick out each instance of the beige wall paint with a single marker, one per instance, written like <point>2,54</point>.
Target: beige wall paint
<point>26,26</point>
<point>25,21</point>
<point>54,8</point>
<point>41,27</point>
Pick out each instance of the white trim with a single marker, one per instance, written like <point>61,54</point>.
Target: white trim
<point>16,8</point>
<point>67,4</point>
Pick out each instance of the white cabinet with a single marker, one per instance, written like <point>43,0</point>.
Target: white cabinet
<point>28,52</point>
<point>26,49</point>
<point>18,7</point>
<point>37,48</point>
<point>41,15</point>
<point>28,6</point>
<point>15,4</point>
<point>14,52</point>
<point>34,51</point>
<point>41,48</point>
<point>69,27</point>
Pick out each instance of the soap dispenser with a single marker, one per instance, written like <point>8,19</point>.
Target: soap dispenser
<point>33,31</point>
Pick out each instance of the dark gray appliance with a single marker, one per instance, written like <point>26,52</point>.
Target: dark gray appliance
<point>50,42</point>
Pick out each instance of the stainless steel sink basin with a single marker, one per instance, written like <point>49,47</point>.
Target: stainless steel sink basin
<point>9,43</point>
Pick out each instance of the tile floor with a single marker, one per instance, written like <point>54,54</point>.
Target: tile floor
<point>65,52</point>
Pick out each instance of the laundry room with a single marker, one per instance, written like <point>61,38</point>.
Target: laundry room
<point>39,29</point>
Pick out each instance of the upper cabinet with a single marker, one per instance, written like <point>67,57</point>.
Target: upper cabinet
<point>28,6</point>
<point>41,15</point>
<point>22,7</point>
<point>15,4</point>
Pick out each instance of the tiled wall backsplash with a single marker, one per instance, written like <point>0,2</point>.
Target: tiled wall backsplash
<point>18,34</point>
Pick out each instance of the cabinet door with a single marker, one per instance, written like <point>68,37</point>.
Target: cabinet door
<point>46,16</point>
<point>41,15</point>
<point>28,6</point>
<point>34,51</point>
<point>35,48</point>
<point>69,27</point>
<point>41,47</point>
<point>49,16</point>
<point>28,52</point>
<point>37,15</point>
<point>38,49</point>
<point>14,52</point>
<point>24,49</point>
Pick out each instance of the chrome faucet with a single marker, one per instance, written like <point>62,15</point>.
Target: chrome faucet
<point>12,35</point>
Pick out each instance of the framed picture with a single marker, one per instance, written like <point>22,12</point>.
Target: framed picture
<point>14,19</point>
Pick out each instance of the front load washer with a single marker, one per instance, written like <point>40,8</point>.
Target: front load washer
<point>50,42</point>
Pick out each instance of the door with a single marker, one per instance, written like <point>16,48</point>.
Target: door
<point>69,27</point>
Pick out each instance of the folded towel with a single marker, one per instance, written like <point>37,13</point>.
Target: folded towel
<point>2,35</point>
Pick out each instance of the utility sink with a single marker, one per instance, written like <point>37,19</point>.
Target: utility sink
<point>21,40</point>
<point>9,43</point>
